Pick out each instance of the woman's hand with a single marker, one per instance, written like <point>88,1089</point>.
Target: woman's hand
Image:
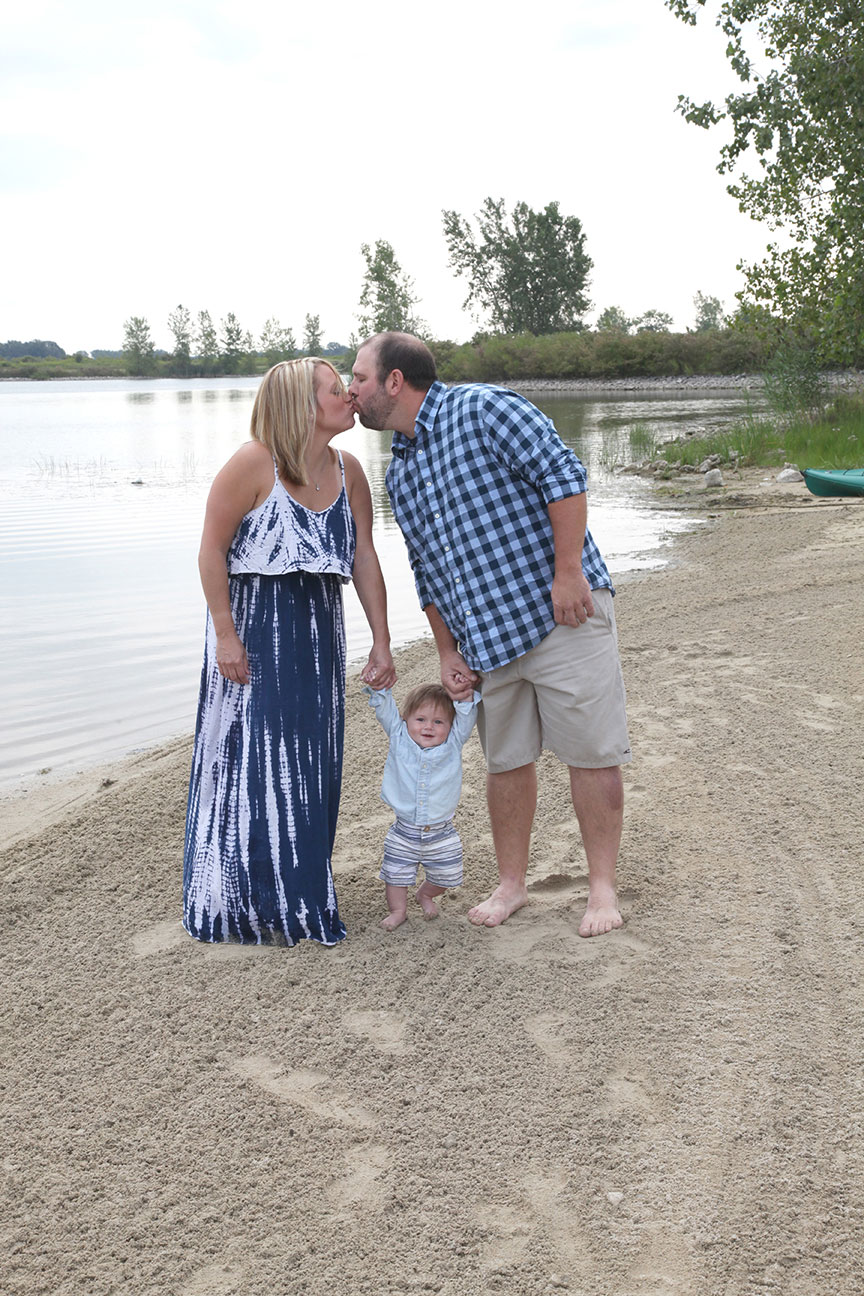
<point>231,658</point>
<point>379,671</point>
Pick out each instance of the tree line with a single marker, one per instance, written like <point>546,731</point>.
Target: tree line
<point>527,274</point>
<point>202,348</point>
<point>800,114</point>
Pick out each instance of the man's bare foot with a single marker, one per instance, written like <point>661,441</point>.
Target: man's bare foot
<point>601,915</point>
<point>503,902</point>
<point>393,920</point>
<point>426,903</point>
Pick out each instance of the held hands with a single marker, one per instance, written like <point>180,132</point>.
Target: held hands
<point>379,671</point>
<point>231,658</point>
<point>457,677</point>
<point>571,599</point>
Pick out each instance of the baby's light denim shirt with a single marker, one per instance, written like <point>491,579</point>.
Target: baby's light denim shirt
<point>422,784</point>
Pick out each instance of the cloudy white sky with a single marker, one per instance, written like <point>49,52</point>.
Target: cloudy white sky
<point>233,155</point>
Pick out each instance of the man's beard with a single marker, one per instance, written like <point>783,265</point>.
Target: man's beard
<point>376,412</point>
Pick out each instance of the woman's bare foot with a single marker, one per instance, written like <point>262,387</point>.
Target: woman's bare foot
<point>426,902</point>
<point>503,902</point>
<point>394,920</point>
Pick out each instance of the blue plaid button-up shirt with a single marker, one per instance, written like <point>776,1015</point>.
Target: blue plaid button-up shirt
<point>470,492</point>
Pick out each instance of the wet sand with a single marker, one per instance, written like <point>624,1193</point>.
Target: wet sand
<point>670,1110</point>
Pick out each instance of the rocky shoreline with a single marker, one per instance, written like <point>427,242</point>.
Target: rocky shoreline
<point>852,380</point>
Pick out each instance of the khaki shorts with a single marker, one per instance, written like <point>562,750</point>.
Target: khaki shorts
<point>566,695</point>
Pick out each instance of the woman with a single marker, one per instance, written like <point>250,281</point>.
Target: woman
<point>288,520</point>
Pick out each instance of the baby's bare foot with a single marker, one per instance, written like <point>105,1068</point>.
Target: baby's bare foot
<point>428,905</point>
<point>393,920</point>
<point>425,895</point>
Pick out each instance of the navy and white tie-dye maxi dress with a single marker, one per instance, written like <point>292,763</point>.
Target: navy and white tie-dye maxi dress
<point>267,761</point>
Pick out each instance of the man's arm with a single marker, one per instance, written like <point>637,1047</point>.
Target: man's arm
<point>456,675</point>
<point>571,593</point>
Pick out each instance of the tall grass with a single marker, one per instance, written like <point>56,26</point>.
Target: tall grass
<point>835,439</point>
<point>635,443</point>
<point>830,438</point>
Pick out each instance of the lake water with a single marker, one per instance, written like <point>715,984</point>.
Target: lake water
<point>102,493</point>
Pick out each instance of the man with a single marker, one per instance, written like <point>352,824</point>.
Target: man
<point>493,509</point>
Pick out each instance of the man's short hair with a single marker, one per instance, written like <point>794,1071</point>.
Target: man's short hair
<point>405,352</point>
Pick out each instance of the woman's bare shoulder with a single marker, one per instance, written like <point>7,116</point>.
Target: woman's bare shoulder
<point>353,467</point>
<point>252,454</point>
<point>248,474</point>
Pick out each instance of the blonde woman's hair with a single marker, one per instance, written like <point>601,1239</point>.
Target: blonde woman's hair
<point>283,416</point>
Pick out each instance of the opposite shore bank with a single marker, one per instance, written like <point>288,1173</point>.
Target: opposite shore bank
<point>846,380</point>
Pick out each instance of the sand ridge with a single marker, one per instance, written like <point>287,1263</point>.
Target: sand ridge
<point>670,1110</point>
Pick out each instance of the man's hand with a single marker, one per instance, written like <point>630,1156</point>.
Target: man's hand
<point>571,599</point>
<point>457,676</point>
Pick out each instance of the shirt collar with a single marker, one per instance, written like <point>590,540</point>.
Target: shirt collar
<point>425,421</point>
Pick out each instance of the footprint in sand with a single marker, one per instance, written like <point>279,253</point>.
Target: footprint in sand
<point>547,1031</point>
<point>547,1202</point>
<point>312,1091</point>
<point>361,1188</point>
<point>510,1235</point>
<point>666,1267</point>
<point>162,936</point>
<point>216,1280</point>
<point>626,1092</point>
<point>382,1029</point>
<point>541,933</point>
<point>543,1217</point>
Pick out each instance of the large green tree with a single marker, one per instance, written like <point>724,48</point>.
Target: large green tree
<point>387,299</point>
<point>206,342</point>
<point>180,324</point>
<point>653,321</point>
<point>313,338</point>
<point>709,313</point>
<point>614,320</point>
<point>138,349</point>
<point>800,116</point>
<point>527,270</point>
<point>277,342</point>
<point>232,343</point>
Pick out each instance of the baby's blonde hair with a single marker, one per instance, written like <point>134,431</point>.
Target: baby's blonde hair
<point>428,695</point>
<point>283,415</point>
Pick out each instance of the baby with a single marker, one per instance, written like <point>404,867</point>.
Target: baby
<point>422,782</point>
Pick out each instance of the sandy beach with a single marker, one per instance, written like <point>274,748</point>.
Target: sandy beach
<point>671,1110</point>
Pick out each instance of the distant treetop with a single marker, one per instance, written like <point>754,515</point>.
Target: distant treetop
<point>36,348</point>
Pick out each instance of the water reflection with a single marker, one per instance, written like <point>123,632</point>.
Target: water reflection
<point>103,488</point>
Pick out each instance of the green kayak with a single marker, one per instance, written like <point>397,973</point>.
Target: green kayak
<point>834,481</point>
